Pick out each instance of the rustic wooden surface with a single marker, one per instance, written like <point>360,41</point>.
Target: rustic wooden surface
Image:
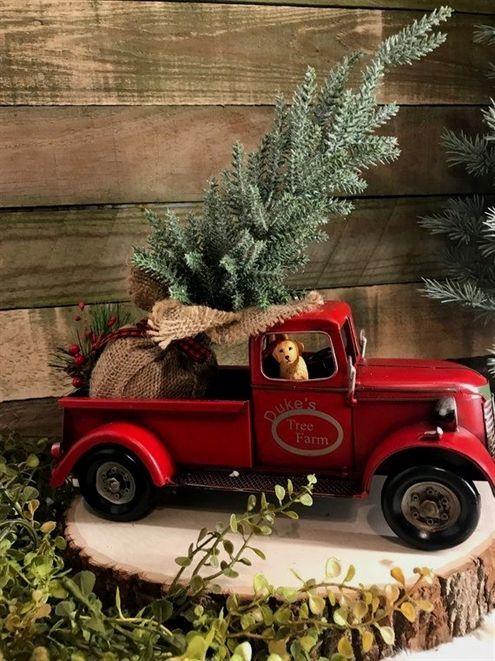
<point>468,6</point>
<point>351,531</point>
<point>111,104</point>
<point>28,336</point>
<point>124,52</point>
<point>63,156</point>
<point>380,242</point>
<point>32,417</point>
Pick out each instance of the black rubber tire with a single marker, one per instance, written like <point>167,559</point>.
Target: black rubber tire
<point>470,507</point>
<point>141,503</point>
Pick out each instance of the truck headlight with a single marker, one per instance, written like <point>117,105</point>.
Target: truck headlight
<point>446,413</point>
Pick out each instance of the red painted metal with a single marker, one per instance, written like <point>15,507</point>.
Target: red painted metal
<point>268,425</point>
<point>184,406</point>
<point>193,432</point>
<point>461,442</point>
<point>378,375</point>
<point>145,445</point>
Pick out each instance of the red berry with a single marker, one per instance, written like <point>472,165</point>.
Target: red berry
<point>81,305</point>
<point>77,382</point>
<point>111,322</point>
<point>77,318</point>
<point>79,360</point>
<point>74,349</point>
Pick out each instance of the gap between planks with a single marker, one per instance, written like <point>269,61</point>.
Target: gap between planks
<point>459,6</point>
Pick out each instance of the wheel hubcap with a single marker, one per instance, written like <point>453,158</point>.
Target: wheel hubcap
<point>430,506</point>
<point>115,483</point>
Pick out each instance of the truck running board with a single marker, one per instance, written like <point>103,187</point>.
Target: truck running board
<point>234,481</point>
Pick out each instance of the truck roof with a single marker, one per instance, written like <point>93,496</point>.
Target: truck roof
<point>333,312</point>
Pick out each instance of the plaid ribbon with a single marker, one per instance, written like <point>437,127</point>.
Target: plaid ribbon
<point>196,351</point>
<point>139,330</point>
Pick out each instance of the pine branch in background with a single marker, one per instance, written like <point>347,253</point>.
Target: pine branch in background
<point>475,153</point>
<point>468,225</point>
<point>260,214</point>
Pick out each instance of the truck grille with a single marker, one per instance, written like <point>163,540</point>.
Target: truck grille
<point>490,425</point>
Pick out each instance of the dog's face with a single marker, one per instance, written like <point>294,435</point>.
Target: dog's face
<point>288,351</point>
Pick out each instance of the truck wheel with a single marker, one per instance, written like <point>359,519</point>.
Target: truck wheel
<point>430,508</point>
<point>115,484</point>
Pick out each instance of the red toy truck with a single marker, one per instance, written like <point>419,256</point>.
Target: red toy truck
<point>428,425</point>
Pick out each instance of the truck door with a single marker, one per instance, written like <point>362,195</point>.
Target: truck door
<point>301,425</point>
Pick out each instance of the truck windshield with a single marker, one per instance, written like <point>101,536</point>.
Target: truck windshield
<point>348,340</point>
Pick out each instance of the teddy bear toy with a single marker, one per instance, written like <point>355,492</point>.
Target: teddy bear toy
<point>288,354</point>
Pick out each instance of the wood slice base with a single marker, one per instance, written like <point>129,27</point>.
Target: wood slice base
<point>139,557</point>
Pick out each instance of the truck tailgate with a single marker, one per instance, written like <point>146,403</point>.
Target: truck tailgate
<point>196,432</point>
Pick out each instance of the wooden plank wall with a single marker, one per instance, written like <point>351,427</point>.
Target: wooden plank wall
<point>109,105</point>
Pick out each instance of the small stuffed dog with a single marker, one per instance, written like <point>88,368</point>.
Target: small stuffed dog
<point>288,354</point>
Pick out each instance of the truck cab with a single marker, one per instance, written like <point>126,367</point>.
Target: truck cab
<point>427,425</point>
<point>309,422</point>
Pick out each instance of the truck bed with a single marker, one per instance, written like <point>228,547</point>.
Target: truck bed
<point>197,432</point>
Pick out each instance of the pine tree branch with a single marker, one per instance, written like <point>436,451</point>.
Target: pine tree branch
<point>265,209</point>
<point>475,153</point>
<point>484,34</point>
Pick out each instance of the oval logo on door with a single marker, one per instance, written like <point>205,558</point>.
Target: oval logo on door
<point>307,432</point>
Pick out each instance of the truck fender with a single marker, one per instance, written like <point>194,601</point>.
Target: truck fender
<point>460,442</point>
<point>145,445</point>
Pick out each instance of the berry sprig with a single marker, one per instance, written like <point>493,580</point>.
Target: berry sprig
<point>96,325</point>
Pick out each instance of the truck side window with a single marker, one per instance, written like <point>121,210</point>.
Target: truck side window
<point>297,356</point>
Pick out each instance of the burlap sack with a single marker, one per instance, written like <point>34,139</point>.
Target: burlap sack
<point>156,366</point>
<point>144,291</point>
<point>136,368</point>
<point>171,320</point>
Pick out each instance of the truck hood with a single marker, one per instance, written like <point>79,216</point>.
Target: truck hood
<point>417,375</point>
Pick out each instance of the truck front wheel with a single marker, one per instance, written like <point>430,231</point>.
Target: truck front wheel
<point>430,508</point>
<point>115,484</point>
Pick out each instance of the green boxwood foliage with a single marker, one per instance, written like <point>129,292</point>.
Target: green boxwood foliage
<point>47,611</point>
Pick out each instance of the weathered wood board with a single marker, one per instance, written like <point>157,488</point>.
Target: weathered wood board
<point>469,6</point>
<point>127,52</point>
<point>69,156</point>
<point>36,418</point>
<point>79,254</point>
<point>398,319</point>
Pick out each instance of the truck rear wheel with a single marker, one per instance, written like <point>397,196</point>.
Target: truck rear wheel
<point>115,484</point>
<point>430,508</point>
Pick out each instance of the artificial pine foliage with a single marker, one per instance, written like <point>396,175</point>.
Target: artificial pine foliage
<point>261,213</point>
<point>96,327</point>
<point>468,224</point>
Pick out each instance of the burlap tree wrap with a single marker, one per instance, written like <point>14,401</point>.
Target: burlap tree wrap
<point>144,291</point>
<point>171,320</point>
<point>136,368</point>
<point>154,367</point>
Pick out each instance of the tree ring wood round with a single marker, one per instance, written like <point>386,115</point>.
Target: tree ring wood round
<point>139,556</point>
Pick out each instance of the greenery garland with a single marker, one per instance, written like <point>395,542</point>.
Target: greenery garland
<point>49,612</point>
